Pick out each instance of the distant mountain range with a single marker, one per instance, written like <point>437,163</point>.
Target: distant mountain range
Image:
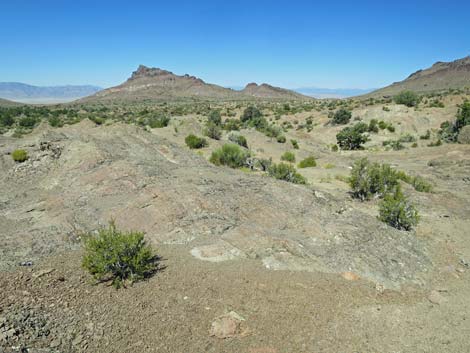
<point>24,93</point>
<point>441,76</point>
<point>154,84</point>
<point>332,92</point>
<point>7,103</point>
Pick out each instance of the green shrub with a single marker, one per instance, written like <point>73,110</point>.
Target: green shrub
<point>27,121</point>
<point>352,138</point>
<point>19,156</point>
<point>408,98</point>
<point>397,211</point>
<point>195,142</point>
<point>308,162</point>
<point>436,104</point>
<point>250,114</point>
<point>6,120</point>
<point>407,138</point>
<point>271,130</point>
<point>341,117</point>
<point>215,118</point>
<point>158,121</point>
<point>288,157</point>
<point>391,128</point>
<point>213,131</point>
<point>117,256</point>
<point>371,179</point>
<point>463,116</point>
<point>281,139</point>
<point>286,172</point>
<point>396,145</point>
<point>295,144</point>
<point>231,125</point>
<point>373,126</point>
<point>55,121</point>
<point>420,184</point>
<point>382,125</point>
<point>238,139</point>
<point>263,163</point>
<point>230,155</point>
<point>97,120</point>
<point>426,136</point>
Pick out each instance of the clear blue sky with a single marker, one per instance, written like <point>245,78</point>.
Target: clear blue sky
<point>334,44</point>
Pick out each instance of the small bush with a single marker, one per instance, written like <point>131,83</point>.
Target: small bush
<point>27,121</point>
<point>396,145</point>
<point>308,162</point>
<point>118,256</point>
<point>373,126</point>
<point>230,155</point>
<point>436,104</point>
<point>250,114</point>
<point>426,136</point>
<point>286,172</point>
<point>157,122</point>
<point>215,118</point>
<point>288,157</point>
<point>281,139</point>
<point>352,138</point>
<point>295,144</point>
<point>372,179</point>
<point>341,117</point>
<point>19,156</point>
<point>263,163</point>
<point>420,184</point>
<point>398,212</point>
<point>408,98</point>
<point>213,131</point>
<point>407,138</point>
<point>195,142</point>
<point>238,139</point>
<point>231,125</point>
<point>463,116</point>
<point>6,120</point>
<point>97,120</point>
<point>55,121</point>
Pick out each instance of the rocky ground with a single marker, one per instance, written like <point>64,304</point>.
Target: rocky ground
<point>250,264</point>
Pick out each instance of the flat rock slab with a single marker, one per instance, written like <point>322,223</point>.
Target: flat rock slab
<point>227,326</point>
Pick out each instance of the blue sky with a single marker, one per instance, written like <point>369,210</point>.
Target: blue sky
<point>333,44</point>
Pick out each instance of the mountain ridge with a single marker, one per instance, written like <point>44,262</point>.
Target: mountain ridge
<point>155,84</point>
<point>439,77</point>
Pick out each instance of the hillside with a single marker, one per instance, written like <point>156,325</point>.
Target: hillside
<point>154,84</point>
<point>7,103</point>
<point>232,241</point>
<point>440,76</point>
<point>267,91</point>
<point>25,93</point>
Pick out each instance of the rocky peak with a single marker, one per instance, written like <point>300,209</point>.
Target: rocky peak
<point>144,71</point>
